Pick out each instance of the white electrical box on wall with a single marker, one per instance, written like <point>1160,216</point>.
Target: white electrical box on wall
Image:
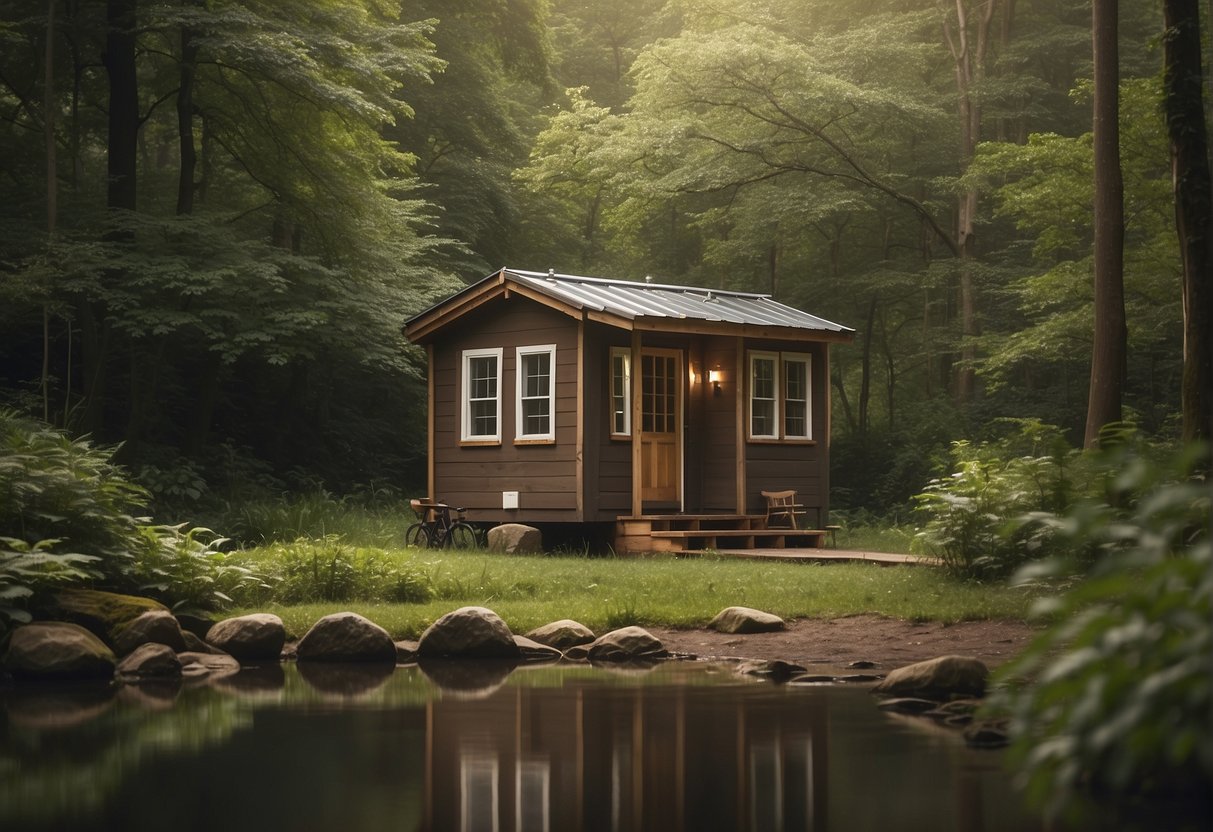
<point>509,499</point>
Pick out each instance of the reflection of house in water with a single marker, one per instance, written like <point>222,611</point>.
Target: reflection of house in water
<point>606,758</point>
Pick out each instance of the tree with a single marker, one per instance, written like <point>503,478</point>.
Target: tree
<point>1184,105</point>
<point>1108,355</point>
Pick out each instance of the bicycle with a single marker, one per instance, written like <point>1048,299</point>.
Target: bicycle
<point>436,529</point>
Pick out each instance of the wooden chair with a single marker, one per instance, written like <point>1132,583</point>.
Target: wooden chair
<point>783,508</point>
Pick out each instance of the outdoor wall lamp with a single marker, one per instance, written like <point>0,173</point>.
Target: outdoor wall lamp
<point>715,376</point>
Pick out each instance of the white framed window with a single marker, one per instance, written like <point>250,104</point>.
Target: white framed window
<point>480,414</point>
<point>536,401</point>
<point>764,395</point>
<point>780,396</point>
<point>797,374</point>
<point>621,392</point>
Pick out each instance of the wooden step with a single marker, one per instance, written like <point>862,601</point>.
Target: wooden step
<point>685,540</point>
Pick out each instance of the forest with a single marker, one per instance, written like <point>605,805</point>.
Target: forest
<point>215,216</point>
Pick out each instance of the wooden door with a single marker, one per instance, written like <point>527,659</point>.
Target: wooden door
<point>660,421</point>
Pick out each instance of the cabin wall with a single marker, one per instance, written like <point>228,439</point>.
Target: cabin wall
<point>608,479</point>
<point>777,466</point>
<point>720,428</point>
<point>545,476</point>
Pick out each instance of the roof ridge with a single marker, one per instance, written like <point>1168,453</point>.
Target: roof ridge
<point>615,281</point>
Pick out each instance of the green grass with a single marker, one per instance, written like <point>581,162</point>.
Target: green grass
<point>604,593</point>
<point>895,539</point>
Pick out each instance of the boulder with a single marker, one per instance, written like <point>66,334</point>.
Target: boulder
<point>625,644</point>
<point>209,665</point>
<point>533,651</point>
<point>57,650</point>
<point>406,652</point>
<point>777,670</point>
<point>346,637</point>
<point>908,705</point>
<point>746,620</point>
<point>515,539</point>
<point>193,644</point>
<point>468,632</point>
<point>101,613</point>
<point>249,638</point>
<point>150,660</point>
<point>943,678</point>
<point>152,627</point>
<point>988,733</point>
<point>562,634</point>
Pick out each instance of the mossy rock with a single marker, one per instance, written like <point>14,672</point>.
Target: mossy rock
<point>101,613</point>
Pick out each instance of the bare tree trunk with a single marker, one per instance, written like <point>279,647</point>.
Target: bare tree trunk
<point>1183,100</point>
<point>969,44</point>
<point>865,385</point>
<point>185,124</point>
<point>122,143</point>
<point>52,192</point>
<point>1110,345</point>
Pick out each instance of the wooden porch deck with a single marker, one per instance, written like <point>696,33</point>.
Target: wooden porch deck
<point>819,555</point>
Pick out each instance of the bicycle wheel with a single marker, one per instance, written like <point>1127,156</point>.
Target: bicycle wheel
<point>417,536</point>
<point>462,536</point>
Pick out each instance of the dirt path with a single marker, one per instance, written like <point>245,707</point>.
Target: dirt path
<point>836,642</point>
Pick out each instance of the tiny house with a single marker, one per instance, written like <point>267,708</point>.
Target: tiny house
<point>562,399</point>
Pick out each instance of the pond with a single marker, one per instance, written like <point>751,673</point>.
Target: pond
<point>683,746</point>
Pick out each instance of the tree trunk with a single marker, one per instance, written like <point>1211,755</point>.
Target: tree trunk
<point>865,384</point>
<point>52,192</point>
<point>122,142</point>
<point>1183,101</point>
<point>185,124</point>
<point>1110,343</point>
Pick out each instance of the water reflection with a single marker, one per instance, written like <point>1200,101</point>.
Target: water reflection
<point>546,749</point>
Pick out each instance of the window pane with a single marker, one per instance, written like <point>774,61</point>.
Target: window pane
<point>762,418</point>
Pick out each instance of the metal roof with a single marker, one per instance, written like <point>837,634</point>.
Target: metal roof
<point>631,300</point>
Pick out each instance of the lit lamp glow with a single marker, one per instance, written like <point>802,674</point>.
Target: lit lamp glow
<point>715,377</point>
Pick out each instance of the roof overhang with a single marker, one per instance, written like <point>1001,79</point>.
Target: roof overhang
<point>584,305</point>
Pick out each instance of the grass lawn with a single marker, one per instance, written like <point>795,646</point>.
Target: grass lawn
<point>604,593</point>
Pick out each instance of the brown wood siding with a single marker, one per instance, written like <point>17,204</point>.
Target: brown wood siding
<point>610,488</point>
<point>544,475</point>
<point>775,466</point>
<point>719,464</point>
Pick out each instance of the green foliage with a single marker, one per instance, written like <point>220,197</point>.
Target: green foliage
<point>374,518</point>
<point>329,569</point>
<point>971,513</point>
<point>1115,698</point>
<point>27,569</point>
<point>185,569</point>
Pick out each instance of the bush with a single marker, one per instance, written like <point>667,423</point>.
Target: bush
<point>1115,697</point>
<point>68,517</point>
<point>972,513</point>
<point>329,569</point>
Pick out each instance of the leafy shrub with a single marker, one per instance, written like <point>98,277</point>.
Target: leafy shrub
<point>381,521</point>
<point>67,516</point>
<point>184,569</point>
<point>329,569</point>
<point>972,514</point>
<point>1116,696</point>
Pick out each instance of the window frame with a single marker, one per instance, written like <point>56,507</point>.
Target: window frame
<point>465,399</point>
<point>780,426</point>
<point>806,359</point>
<point>752,359</point>
<point>626,354</point>
<point>520,436</point>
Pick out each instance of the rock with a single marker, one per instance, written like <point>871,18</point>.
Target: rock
<point>532,651</point>
<point>57,650</point>
<point>987,733</point>
<point>250,638</point>
<point>908,705</point>
<point>776,670</point>
<point>579,653</point>
<point>745,620</point>
<point>152,627</point>
<point>346,637</point>
<point>194,644</point>
<point>150,660</point>
<point>199,625</point>
<point>468,632</point>
<point>811,679</point>
<point>943,678</point>
<point>406,652</point>
<point>515,539</point>
<point>862,665</point>
<point>855,678</point>
<point>625,644</point>
<point>101,613</point>
<point>562,634</point>
<point>207,665</point>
